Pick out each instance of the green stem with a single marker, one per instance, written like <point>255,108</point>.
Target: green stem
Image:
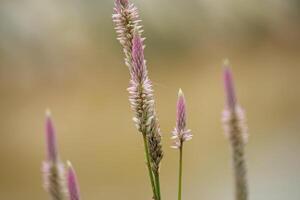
<point>149,167</point>
<point>157,183</point>
<point>180,171</point>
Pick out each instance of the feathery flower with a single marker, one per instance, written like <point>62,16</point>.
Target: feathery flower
<point>236,131</point>
<point>180,134</point>
<point>53,169</point>
<point>233,112</point>
<point>142,102</point>
<point>126,19</point>
<point>72,182</point>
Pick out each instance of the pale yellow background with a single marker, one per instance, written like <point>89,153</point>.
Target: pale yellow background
<point>63,55</point>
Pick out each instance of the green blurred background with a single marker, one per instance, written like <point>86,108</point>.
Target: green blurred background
<point>63,55</point>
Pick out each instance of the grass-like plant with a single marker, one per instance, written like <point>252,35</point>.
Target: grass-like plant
<point>236,131</point>
<point>141,98</point>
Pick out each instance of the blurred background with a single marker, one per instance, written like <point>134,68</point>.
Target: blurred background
<point>63,55</point>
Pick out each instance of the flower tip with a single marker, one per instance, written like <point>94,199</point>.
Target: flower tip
<point>73,187</point>
<point>181,100</point>
<point>229,86</point>
<point>226,63</point>
<point>50,138</point>
<point>180,93</point>
<point>69,164</point>
<point>48,113</point>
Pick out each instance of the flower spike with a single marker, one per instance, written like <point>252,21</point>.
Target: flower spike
<point>53,169</point>
<point>140,90</point>
<point>180,134</point>
<point>236,131</point>
<point>72,182</point>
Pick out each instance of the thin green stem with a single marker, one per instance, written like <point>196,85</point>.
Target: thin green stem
<point>180,171</point>
<point>149,167</point>
<point>157,183</point>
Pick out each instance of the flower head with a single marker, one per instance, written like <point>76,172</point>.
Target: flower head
<point>126,19</point>
<point>180,133</point>
<point>142,102</point>
<point>233,114</point>
<point>72,182</point>
<point>236,131</point>
<point>53,169</point>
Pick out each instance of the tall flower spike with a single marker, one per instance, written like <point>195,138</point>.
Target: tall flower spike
<point>235,130</point>
<point>53,169</point>
<point>140,90</point>
<point>142,102</point>
<point>73,186</point>
<point>126,19</point>
<point>180,134</point>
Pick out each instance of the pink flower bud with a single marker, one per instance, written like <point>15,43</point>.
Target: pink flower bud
<point>50,139</point>
<point>73,187</point>
<point>229,87</point>
<point>180,133</point>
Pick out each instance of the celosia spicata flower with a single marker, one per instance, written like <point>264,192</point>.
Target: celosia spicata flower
<point>53,169</point>
<point>232,110</point>
<point>142,102</point>
<point>126,19</point>
<point>140,90</point>
<point>180,134</point>
<point>73,187</point>
<point>236,131</point>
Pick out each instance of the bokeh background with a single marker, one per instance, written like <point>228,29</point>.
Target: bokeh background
<point>63,55</point>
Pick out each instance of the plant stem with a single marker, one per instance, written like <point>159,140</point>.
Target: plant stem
<point>149,167</point>
<point>240,176</point>
<point>157,185</point>
<point>180,171</point>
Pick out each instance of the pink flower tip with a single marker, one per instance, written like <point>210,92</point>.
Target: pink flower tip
<point>180,93</point>
<point>181,111</point>
<point>229,86</point>
<point>180,134</point>
<point>50,138</point>
<point>72,183</point>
